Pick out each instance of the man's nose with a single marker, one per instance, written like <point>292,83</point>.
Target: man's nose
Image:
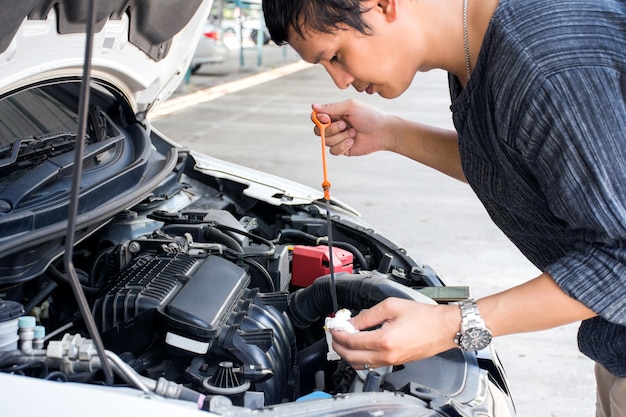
<point>341,78</point>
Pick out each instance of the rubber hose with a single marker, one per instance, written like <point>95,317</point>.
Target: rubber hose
<point>213,234</point>
<point>354,291</point>
<point>9,357</point>
<point>312,356</point>
<point>288,234</point>
<point>271,249</point>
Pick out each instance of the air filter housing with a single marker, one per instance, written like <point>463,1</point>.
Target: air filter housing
<point>190,296</point>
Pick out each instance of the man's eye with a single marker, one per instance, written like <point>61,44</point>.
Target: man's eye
<point>334,58</point>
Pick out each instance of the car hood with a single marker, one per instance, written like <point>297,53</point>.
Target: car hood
<point>141,47</point>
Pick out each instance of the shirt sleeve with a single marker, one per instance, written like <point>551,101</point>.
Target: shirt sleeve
<point>577,150</point>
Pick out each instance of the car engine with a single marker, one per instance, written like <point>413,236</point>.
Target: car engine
<point>203,290</point>
<point>206,303</point>
<point>209,288</point>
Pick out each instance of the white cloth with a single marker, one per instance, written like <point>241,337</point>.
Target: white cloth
<point>341,323</point>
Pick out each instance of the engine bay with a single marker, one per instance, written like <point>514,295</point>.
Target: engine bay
<point>205,290</point>
<point>217,304</point>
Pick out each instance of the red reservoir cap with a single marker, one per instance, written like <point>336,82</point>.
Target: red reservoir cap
<point>311,262</point>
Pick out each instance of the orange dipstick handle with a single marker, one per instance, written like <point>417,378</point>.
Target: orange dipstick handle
<point>322,127</point>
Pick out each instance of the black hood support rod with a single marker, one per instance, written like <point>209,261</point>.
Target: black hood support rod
<point>77,169</point>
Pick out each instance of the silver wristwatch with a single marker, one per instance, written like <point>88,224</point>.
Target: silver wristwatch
<point>474,334</point>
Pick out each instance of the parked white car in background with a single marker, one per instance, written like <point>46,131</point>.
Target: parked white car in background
<point>249,28</point>
<point>211,48</point>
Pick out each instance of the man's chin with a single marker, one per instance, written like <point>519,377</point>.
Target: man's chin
<point>389,94</point>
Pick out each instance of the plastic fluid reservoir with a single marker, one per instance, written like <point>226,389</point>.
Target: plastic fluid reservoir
<point>10,311</point>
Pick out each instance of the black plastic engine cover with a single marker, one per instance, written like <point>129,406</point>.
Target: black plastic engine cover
<point>188,298</point>
<point>195,315</point>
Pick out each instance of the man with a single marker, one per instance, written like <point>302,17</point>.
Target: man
<point>538,100</point>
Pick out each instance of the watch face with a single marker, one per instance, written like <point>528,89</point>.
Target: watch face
<point>475,339</point>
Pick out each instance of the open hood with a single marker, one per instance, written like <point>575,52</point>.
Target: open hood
<point>142,47</point>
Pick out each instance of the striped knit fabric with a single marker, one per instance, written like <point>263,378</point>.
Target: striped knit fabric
<point>542,135</point>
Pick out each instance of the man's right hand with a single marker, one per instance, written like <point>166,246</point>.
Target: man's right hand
<point>357,128</point>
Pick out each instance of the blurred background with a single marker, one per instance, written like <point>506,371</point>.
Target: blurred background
<point>232,27</point>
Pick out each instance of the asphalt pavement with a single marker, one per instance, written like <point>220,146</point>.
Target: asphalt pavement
<point>254,110</point>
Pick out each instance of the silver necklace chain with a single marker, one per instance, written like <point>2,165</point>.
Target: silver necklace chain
<point>466,40</point>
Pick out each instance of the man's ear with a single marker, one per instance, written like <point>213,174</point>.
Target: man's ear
<point>388,7</point>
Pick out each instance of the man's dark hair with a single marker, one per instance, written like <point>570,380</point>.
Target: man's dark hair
<point>317,16</point>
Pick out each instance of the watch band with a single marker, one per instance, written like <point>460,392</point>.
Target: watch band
<point>470,317</point>
<point>474,335</point>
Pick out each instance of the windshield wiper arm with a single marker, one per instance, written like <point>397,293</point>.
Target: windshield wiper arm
<point>35,148</point>
<point>15,151</point>
<point>47,171</point>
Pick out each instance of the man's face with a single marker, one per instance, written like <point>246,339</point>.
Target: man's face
<point>373,63</point>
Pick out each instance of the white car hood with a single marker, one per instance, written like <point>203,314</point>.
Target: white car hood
<point>143,48</point>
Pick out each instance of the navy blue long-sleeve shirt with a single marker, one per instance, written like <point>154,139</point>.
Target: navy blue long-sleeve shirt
<point>542,136</point>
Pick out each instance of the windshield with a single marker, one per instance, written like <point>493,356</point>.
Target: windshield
<point>36,126</point>
<point>34,112</point>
